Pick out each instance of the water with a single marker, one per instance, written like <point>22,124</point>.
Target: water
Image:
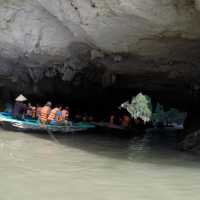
<point>95,166</point>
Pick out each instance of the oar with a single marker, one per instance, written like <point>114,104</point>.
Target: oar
<point>52,136</point>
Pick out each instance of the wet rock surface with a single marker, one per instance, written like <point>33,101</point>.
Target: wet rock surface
<point>191,142</point>
<point>146,45</point>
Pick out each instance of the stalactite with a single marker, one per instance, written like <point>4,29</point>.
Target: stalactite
<point>36,74</point>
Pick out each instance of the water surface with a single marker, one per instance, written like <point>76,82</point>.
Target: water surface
<point>96,166</point>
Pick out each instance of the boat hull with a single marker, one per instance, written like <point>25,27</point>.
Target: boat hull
<point>8,123</point>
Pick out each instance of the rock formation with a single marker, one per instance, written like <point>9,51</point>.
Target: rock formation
<point>150,44</point>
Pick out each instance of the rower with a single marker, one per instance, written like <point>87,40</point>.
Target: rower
<point>19,107</point>
<point>65,114</point>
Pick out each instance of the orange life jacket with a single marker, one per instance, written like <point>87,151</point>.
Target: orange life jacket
<point>65,114</point>
<point>52,114</point>
<point>44,113</point>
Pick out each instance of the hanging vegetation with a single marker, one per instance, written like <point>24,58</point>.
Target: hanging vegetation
<point>141,107</point>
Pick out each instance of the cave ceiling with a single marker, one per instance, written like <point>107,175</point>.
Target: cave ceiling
<point>152,44</point>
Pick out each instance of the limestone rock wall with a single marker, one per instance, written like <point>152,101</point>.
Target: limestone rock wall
<point>45,37</point>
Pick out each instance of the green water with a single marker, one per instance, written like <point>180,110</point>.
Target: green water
<point>95,166</point>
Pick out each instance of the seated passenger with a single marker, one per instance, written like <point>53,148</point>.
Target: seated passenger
<point>85,117</point>
<point>111,120</point>
<point>91,118</point>
<point>29,111</point>
<point>114,119</point>
<point>65,114</point>
<point>55,116</point>
<point>44,113</point>
<point>126,121</point>
<point>34,112</point>
<point>38,110</point>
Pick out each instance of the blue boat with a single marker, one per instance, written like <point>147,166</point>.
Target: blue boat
<point>29,125</point>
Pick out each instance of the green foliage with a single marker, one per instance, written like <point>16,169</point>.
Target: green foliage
<point>140,107</point>
<point>170,116</point>
<point>173,115</point>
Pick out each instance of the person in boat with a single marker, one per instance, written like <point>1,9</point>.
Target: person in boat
<point>91,118</point>
<point>38,110</point>
<point>65,114</point>
<point>125,121</point>
<point>112,119</point>
<point>34,112</point>
<point>29,111</point>
<point>44,113</point>
<point>19,107</point>
<point>85,117</point>
<point>55,116</point>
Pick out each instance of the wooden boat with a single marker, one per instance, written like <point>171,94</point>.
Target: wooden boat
<point>137,129</point>
<point>118,128</point>
<point>108,125</point>
<point>28,125</point>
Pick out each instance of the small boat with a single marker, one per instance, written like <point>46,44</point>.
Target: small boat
<point>108,125</point>
<point>138,129</point>
<point>28,125</point>
<point>119,128</point>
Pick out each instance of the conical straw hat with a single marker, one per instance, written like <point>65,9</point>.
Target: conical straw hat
<point>21,98</point>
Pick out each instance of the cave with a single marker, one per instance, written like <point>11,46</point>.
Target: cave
<point>94,55</point>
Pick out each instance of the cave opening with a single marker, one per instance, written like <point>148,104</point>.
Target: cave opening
<point>97,100</point>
